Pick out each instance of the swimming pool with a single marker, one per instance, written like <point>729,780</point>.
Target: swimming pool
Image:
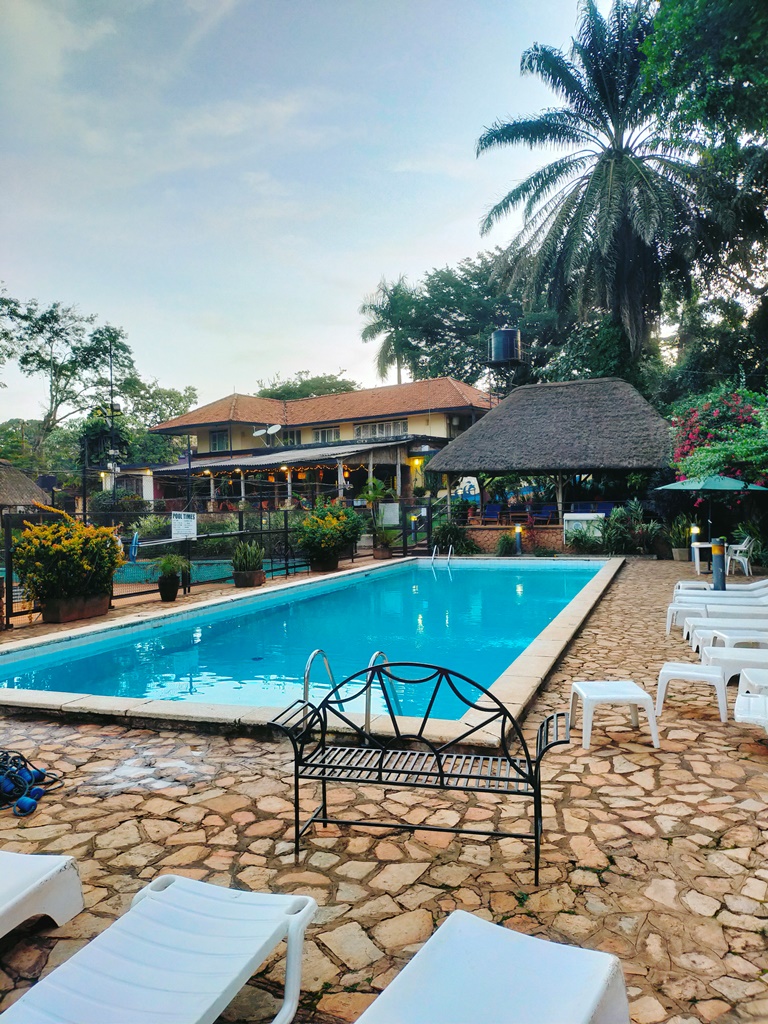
<point>475,617</point>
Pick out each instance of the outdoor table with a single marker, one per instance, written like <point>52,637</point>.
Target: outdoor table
<point>699,546</point>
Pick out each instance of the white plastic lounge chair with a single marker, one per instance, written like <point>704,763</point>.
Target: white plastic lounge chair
<point>752,698</point>
<point>682,586</point>
<point>474,972</point>
<point>179,956</point>
<point>703,633</point>
<point>739,553</point>
<point>718,600</point>
<point>33,884</point>
<point>719,617</point>
<point>733,660</point>
<point>739,638</point>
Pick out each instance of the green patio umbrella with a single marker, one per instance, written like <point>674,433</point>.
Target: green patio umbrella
<point>708,485</point>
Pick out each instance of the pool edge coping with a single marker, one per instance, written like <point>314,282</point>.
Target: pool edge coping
<point>516,687</point>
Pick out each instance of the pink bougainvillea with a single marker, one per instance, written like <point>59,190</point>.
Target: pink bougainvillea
<point>714,419</point>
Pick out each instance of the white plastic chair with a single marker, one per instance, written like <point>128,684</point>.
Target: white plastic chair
<point>179,956</point>
<point>33,884</point>
<point>612,691</point>
<point>474,972</point>
<point>739,553</point>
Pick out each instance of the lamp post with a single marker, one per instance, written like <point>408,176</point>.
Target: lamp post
<point>519,539</point>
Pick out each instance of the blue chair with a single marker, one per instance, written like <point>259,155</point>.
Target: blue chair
<point>490,514</point>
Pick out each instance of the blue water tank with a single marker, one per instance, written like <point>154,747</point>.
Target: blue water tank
<point>506,348</point>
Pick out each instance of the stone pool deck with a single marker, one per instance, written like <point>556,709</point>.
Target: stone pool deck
<point>656,856</point>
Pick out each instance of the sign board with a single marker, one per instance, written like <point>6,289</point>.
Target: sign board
<point>183,525</point>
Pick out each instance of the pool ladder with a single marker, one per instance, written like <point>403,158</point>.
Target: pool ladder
<point>319,653</point>
<point>436,552</point>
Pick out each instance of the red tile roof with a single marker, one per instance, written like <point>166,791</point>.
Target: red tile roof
<point>437,394</point>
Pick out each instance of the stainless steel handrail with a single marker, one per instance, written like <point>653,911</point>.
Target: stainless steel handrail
<point>308,669</point>
<point>435,552</point>
<point>450,552</point>
<point>374,658</point>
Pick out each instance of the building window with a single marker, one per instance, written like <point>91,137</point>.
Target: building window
<point>219,440</point>
<point>326,434</point>
<point>388,428</point>
<point>291,436</point>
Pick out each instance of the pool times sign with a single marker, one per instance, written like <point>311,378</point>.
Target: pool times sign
<point>183,525</point>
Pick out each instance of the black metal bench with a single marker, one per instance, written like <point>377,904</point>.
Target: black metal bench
<point>333,742</point>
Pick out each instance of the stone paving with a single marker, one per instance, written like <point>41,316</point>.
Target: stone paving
<point>658,856</point>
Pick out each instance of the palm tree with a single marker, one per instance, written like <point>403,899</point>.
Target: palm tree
<point>390,312</point>
<point>610,222</point>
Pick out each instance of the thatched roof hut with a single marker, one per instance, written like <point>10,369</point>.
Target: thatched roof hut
<point>571,427</point>
<point>17,489</point>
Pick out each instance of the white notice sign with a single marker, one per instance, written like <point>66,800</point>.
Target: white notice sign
<point>183,525</point>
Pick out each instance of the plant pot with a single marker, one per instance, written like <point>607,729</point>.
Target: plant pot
<point>681,554</point>
<point>381,553</point>
<point>68,609</point>
<point>324,563</point>
<point>168,587</point>
<point>249,577</point>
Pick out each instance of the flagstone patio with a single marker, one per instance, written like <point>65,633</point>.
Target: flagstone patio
<point>656,856</point>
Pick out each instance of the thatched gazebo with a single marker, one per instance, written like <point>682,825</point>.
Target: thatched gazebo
<point>17,490</point>
<point>569,427</point>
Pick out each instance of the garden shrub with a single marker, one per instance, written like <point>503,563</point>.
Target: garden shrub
<point>447,534</point>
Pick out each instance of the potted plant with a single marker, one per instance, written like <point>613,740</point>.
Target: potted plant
<point>169,569</point>
<point>679,534</point>
<point>383,541</point>
<point>324,533</point>
<point>67,566</point>
<point>248,564</point>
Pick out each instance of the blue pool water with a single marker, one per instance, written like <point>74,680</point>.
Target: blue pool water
<point>474,618</point>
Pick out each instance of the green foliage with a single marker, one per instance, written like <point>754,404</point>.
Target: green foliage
<point>247,556</point>
<point>151,527</point>
<point>329,529</point>
<point>679,531</point>
<point>391,315</point>
<point>119,501</point>
<point>596,348</point>
<point>707,59</point>
<point>386,537</point>
<point>756,530</point>
<point>450,534</point>
<point>624,532</point>
<point>610,221</point>
<point>66,558</point>
<point>585,542</point>
<point>171,565</point>
<point>724,431</point>
<point>303,385</point>
<point>507,545</point>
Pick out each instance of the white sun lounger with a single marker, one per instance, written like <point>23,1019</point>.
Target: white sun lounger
<point>682,586</point>
<point>752,699</point>
<point>732,660</point>
<point>699,632</point>
<point>739,638</point>
<point>179,956</point>
<point>33,884</point>
<point>723,619</point>
<point>709,606</point>
<point>474,972</point>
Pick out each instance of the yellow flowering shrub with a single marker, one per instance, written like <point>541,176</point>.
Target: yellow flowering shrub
<point>65,558</point>
<point>328,530</point>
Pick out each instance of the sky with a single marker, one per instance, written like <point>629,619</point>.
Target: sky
<point>227,180</point>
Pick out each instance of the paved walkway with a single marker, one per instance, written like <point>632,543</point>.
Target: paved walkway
<point>657,856</point>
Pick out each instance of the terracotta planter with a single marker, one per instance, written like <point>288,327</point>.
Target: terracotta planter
<point>681,554</point>
<point>68,609</point>
<point>249,578</point>
<point>382,553</point>
<point>324,563</point>
<point>168,587</point>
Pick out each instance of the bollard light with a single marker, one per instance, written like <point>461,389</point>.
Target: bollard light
<point>519,539</point>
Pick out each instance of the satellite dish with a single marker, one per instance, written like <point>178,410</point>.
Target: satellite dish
<point>260,433</point>
<point>274,428</point>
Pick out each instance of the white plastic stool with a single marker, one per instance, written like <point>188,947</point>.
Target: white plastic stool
<point>689,673</point>
<point>612,691</point>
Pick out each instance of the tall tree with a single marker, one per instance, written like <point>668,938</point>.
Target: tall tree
<point>707,59</point>
<point>391,313</point>
<point>304,385</point>
<point>64,347</point>
<point>608,223</point>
